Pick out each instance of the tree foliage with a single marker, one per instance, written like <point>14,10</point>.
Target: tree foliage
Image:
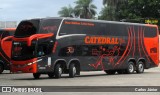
<point>85,9</point>
<point>130,9</point>
<point>140,9</point>
<point>66,11</point>
<point>113,3</point>
<point>110,9</point>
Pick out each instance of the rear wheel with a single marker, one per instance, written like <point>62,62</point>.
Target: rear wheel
<point>130,69</point>
<point>36,75</point>
<point>140,67</point>
<point>1,68</point>
<point>72,70</point>
<point>110,72</point>
<point>50,75</point>
<point>58,71</point>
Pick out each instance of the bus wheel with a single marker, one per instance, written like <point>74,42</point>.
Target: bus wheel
<point>50,75</point>
<point>36,75</point>
<point>72,70</point>
<point>130,69</point>
<point>140,67</point>
<point>110,72</point>
<point>58,71</point>
<point>1,68</point>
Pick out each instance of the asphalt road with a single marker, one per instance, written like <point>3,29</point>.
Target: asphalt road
<point>150,77</point>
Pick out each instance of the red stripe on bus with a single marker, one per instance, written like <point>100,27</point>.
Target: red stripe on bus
<point>126,48</point>
<point>139,42</point>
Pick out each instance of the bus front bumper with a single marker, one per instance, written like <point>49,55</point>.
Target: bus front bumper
<point>27,66</point>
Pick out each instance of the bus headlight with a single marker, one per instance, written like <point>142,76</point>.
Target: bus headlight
<point>29,64</point>
<point>16,43</point>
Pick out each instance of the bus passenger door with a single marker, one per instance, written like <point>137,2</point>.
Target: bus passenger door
<point>44,51</point>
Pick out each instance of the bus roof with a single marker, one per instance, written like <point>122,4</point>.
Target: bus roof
<point>91,20</point>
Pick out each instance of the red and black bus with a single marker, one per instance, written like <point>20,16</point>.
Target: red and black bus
<point>56,46</point>
<point>5,48</point>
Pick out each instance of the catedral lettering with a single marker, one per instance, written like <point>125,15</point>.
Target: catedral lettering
<point>75,45</point>
<point>101,40</point>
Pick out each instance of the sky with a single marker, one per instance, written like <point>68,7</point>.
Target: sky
<point>17,10</point>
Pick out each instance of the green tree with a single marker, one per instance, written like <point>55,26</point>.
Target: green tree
<point>109,12</point>
<point>85,9</point>
<point>137,9</point>
<point>66,12</point>
<point>113,3</point>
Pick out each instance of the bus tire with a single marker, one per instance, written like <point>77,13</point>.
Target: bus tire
<point>130,68</point>
<point>140,67</point>
<point>1,68</point>
<point>58,71</point>
<point>50,75</point>
<point>110,72</point>
<point>72,70</point>
<point>36,75</point>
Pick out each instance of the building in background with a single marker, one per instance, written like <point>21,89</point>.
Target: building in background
<point>8,24</point>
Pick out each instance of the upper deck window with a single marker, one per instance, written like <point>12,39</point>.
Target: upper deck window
<point>50,25</point>
<point>83,27</point>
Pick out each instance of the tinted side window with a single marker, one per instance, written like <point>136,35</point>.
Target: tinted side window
<point>118,29</point>
<point>50,25</point>
<point>84,27</point>
<point>150,32</point>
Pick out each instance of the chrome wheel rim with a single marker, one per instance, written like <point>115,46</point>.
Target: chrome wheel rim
<point>74,70</point>
<point>60,71</point>
<point>131,68</point>
<point>140,67</point>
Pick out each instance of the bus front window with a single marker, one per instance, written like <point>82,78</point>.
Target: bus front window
<point>40,51</point>
<point>23,52</point>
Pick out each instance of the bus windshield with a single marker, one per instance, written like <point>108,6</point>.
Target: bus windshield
<point>23,52</point>
<point>27,28</point>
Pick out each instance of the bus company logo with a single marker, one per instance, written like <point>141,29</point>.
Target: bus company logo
<point>103,40</point>
<point>6,89</point>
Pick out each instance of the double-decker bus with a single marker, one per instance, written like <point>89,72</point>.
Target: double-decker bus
<point>57,46</point>
<point>5,48</point>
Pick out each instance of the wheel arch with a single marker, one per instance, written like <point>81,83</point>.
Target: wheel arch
<point>132,60</point>
<point>63,63</point>
<point>143,60</point>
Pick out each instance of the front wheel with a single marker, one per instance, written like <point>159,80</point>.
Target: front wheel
<point>72,71</point>
<point>58,71</point>
<point>36,75</point>
<point>140,67</point>
<point>130,69</point>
